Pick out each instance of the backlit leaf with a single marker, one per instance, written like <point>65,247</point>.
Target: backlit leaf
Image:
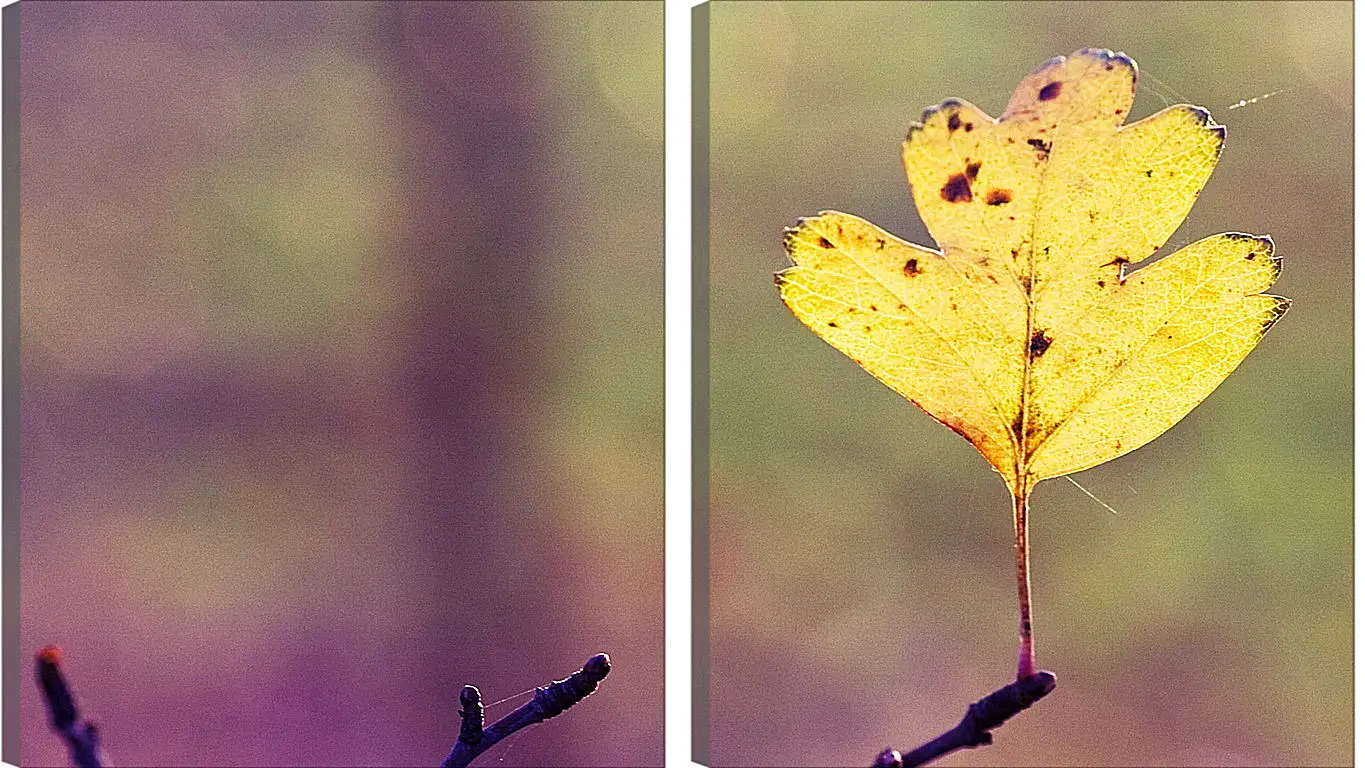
<point>1026,330</point>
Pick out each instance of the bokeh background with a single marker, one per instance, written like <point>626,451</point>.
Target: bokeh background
<point>341,375</point>
<point>862,585</point>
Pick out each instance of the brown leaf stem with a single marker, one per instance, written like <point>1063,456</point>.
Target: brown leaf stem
<point>1028,664</point>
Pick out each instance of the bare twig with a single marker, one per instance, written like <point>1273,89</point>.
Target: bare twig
<point>82,738</point>
<point>975,729</point>
<point>548,702</point>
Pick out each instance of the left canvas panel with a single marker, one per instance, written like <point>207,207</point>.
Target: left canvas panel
<point>340,374</point>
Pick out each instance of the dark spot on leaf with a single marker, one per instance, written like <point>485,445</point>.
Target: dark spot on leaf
<point>1117,260</point>
<point>881,243</point>
<point>972,169</point>
<point>1014,252</point>
<point>1018,426</point>
<point>1038,344</point>
<point>911,268</point>
<point>901,307</point>
<point>968,127</point>
<point>1250,256</point>
<point>833,324</point>
<point>872,307</point>
<point>952,305</point>
<point>954,122</point>
<point>1050,91</point>
<point>998,197</point>
<point>1027,282</point>
<point>851,309</point>
<point>1094,216</point>
<point>867,329</point>
<point>957,190</point>
<point>1040,145</point>
<point>1149,173</point>
<point>1100,283</point>
<point>824,243</point>
<point>1109,66</point>
<point>1118,445</point>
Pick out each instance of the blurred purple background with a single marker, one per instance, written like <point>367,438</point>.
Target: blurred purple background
<point>341,375</point>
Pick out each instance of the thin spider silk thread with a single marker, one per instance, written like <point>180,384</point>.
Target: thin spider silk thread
<point>1173,92</point>
<point>511,740</point>
<point>1245,102</point>
<point>509,698</point>
<point>1091,495</point>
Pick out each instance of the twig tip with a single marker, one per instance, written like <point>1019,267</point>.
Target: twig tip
<point>549,701</point>
<point>982,716</point>
<point>61,705</point>
<point>598,666</point>
<point>469,695</point>
<point>889,758</point>
<point>82,738</point>
<point>1037,685</point>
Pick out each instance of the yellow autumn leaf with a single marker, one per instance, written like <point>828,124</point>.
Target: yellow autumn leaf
<point>1026,331</point>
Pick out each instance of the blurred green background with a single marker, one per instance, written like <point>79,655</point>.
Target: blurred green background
<point>341,375</point>
<point>862,585</point>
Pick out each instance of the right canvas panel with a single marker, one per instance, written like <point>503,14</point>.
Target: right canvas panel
<point>1193,596</point>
